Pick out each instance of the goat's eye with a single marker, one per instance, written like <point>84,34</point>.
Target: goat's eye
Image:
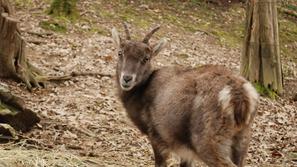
<point>146,59</point>
<point>120,53</point>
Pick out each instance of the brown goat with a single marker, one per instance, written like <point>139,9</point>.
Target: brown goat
<point>203,113</point>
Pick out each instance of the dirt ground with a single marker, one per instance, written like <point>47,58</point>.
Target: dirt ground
<point>83,117</point>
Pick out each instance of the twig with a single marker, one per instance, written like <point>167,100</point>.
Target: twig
<point>207,33</point>
<point>36,42</point>
<point>35,142</point>
<point>74,147</point>
<point>40,34</point>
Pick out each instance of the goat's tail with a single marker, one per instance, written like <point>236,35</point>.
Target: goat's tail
<point>240,102</point>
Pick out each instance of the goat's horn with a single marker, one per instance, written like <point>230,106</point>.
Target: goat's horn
<point>150,34</point>
<point>128,36</point>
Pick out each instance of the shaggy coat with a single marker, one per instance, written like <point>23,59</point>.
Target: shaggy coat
<point>203,113</point>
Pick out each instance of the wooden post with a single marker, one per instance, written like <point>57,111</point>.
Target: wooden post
<point>260,61</point>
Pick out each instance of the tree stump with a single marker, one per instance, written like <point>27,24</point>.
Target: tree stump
<point>260,60</point>
<point>13,61</point>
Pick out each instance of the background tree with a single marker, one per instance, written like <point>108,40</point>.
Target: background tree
<point>260,61</point>
<point>63,8</point>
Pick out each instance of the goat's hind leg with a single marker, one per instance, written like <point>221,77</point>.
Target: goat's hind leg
<point>240,147</point>
<point>216,154</point>
<point>186,163</point>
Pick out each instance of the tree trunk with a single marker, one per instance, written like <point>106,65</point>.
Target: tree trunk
<point>260,61</point>
<point>13,61</point>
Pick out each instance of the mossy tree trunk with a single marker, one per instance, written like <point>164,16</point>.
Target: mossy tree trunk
<point>63,8</point>
<point>13,61</point>
<point>260,61</point>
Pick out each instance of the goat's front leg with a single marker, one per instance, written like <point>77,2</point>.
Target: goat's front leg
<point>185,163</point>
<point>160,158</point>
<point>160,152</point>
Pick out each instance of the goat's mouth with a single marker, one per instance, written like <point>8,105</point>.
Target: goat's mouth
<point>126,87</point>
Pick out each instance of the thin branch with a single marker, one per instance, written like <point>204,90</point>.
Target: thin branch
<point>40,34</point>
<point>72,75</point>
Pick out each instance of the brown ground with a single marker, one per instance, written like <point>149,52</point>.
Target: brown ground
<point>83,116</point>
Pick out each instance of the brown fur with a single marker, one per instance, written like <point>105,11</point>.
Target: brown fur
<point>180,110</point>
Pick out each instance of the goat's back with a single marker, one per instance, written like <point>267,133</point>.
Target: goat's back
<point>200,104</point>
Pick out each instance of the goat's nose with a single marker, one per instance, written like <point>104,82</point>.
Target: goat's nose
<point>127,78</point>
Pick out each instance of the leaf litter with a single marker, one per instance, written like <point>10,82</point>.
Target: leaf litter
<point>83,123</point>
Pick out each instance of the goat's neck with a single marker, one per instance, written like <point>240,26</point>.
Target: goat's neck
<point>137,101</point>
<point>139,90</point>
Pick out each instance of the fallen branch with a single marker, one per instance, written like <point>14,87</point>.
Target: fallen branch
<point>72,75</point>
<point>36,42</point>
<point>40,34</point>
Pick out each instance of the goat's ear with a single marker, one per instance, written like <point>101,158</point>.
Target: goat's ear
<point>116,37</point>
<point>157,48</point>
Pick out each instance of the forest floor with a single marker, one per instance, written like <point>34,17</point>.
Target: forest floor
<point>83,123</point>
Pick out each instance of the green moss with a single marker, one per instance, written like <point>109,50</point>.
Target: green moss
<point>264,91</point>
<point>53,26</point>
<point>5,109</point>
<point>99,30</point>
<point>64,8</point>
<point>227,25</point>
<point>288,36</point>
<point>23,3</point>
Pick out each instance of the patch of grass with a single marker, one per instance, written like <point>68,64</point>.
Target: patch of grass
<point>64,8</point>
<point>37,158</point>
<point>227,25</point>
<point>264,91</point>
<point>23,3</point>
<point>53,26</point>
<point>99,30</point>
<point>288,38</point>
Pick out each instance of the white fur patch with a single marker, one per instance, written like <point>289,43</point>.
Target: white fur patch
<point>225,98</point>
<point>197,102</point>
<point>252,95</point>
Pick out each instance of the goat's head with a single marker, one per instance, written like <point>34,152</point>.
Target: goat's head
<point>134,57</point>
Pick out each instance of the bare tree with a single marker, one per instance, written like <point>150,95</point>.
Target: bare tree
<point>260,61</point>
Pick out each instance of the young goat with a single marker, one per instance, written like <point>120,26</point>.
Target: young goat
<point>203,113</point>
